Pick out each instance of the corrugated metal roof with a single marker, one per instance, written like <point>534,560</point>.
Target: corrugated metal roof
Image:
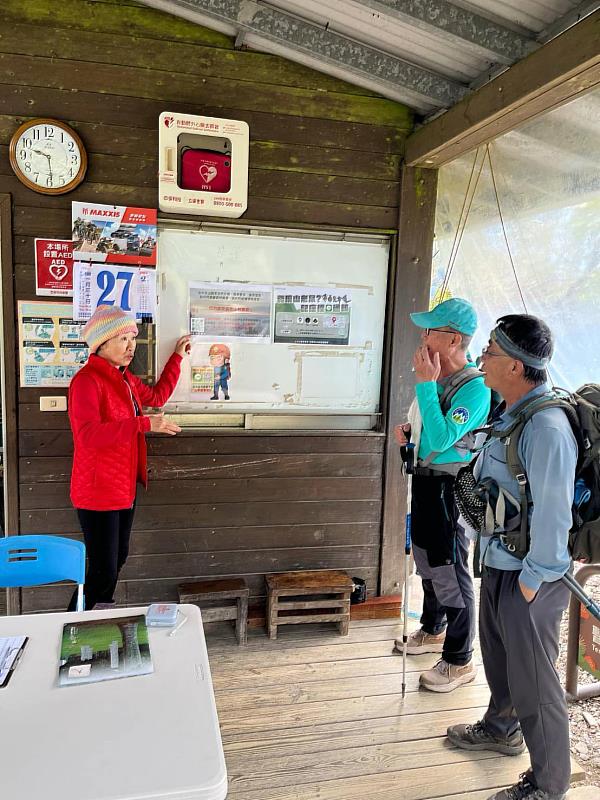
<point>425,53</point>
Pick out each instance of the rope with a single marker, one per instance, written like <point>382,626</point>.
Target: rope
<point>502,225</point>
<point>462,220</point>
<point>510,256</point>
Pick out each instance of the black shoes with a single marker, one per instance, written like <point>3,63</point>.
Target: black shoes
<point>525,789</point>
<point>476,737</point>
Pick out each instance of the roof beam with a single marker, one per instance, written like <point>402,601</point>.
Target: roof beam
<point>558,72</point>
<point>466,29</point>
<point>572,17</point>
<point>316,45</point>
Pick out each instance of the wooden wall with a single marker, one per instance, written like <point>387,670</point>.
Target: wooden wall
<point>322,153</point>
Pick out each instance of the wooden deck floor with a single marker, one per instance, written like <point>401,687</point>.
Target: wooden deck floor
<point>317,716</point>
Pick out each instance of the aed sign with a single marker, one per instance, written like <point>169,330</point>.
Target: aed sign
<point>203,165</point>
<point>53,267</point>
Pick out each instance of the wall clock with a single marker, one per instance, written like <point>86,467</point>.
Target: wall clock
<point>48,156</point>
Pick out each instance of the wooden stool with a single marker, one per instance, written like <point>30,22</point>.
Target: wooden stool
<point>328,589</point>
<point>209,596</point>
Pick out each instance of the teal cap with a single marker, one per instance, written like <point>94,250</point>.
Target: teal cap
<point>455,313</point>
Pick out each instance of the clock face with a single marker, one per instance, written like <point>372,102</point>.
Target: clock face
<point>48,157</point>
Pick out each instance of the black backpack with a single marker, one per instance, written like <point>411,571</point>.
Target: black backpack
<point>583,412</point>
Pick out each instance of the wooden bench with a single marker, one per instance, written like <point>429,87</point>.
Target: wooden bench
<point>320,596</point>
<point>212,597</point>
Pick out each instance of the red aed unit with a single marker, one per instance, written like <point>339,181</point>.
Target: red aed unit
<point>205,170</point>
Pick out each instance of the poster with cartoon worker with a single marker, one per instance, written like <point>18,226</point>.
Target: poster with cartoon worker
<point>219,356</point>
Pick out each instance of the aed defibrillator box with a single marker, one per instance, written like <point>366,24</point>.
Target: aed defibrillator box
<point>203,165</point>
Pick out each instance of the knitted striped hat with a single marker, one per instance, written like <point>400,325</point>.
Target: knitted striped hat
<point>106,322</point>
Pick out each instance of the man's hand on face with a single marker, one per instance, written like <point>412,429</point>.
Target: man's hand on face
<point>426,368</point>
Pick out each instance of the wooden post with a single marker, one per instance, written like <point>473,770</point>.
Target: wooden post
<point>411,288</point>
<point>9,387</point>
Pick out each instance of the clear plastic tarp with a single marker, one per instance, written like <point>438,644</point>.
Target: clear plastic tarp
<point>518,231</point>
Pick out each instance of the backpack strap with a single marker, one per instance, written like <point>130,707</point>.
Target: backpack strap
<point>455,384</point>
<point>518,543</point>
<point>451,389</point>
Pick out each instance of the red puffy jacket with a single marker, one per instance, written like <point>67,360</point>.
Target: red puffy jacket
<point>110,446</point>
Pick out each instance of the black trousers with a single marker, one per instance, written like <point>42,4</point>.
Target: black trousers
<point>519,645</point>
<point>441,553</point>
<point>106,535</point>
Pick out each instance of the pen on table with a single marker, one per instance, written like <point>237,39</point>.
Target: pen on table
<point>178,626</point>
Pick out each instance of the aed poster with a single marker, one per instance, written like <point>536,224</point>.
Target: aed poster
<point>311,315</point>
<point>230,311</point>
<point>51,346</point>
<point>114,234</point>
<point>132,289</point>
<point>53,267</point>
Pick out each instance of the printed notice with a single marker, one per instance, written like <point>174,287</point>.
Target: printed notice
<point>53,267</point>
<point>306,315</point>
<point>230,311</point>
<point>51,346</point>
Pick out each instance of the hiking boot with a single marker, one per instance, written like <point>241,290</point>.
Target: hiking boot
<point>446,677</point>
<point>476,737</point>
<point>525,789</point>
<point>420,642</point>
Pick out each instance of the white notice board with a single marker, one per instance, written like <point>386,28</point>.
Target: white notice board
<point>283,323</point>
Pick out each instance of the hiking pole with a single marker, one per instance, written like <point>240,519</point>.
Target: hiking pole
<point>410,449</point>
<point>405,613</point>
<point>583,598</point>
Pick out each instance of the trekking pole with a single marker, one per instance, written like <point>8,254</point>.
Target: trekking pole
<point>405,613</point>
<point>407,550</point>
<point>583,598</point>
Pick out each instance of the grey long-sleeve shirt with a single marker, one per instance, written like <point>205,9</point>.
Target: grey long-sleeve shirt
<point>548,451</point>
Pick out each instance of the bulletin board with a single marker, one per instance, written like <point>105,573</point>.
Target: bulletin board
<point>281,322</point>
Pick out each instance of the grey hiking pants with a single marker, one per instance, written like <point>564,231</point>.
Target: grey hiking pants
<point>449,601</point>
<point>519,644</point>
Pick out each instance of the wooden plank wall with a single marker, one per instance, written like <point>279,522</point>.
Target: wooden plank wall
<point>323,153</point>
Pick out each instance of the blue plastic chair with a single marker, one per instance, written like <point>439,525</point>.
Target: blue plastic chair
<point>36,560</point>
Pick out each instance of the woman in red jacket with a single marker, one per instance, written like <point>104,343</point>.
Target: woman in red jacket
<point>105,410</point>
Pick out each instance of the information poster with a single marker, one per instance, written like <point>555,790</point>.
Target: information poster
<point>114,234</point>
<point>230,311</point>
<point>311,315</point>
<point>211,373</point>
<point>202,379</point>
<point>53,267</point>
<point>51,346</point>
<point>132,289</point>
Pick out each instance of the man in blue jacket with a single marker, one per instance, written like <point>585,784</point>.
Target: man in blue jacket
<point>522,601</point>
<point>439,545</point>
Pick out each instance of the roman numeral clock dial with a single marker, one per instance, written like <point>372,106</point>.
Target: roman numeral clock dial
<point>48,156</point>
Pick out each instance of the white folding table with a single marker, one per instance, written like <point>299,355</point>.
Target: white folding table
<point>149,737</point>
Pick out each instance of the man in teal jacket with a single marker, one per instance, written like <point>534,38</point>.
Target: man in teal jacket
<point>439,545</point>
